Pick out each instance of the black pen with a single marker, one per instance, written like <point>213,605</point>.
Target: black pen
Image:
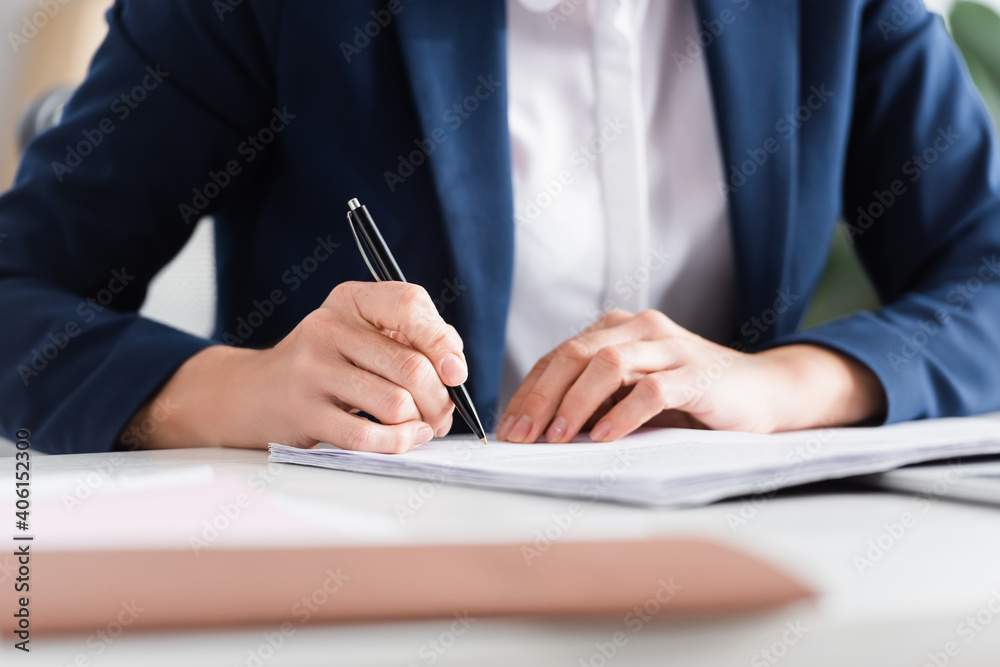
<point>383,267</point>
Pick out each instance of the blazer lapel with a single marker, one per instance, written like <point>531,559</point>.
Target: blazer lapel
<point>753,64</point>
<point>455,57</point>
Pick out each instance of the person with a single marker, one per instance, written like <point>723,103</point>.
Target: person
<point>613,212</point>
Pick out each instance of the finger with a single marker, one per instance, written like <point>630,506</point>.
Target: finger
<point>653,394</point>
<point>535,404</point>
<point>359,434</point>
<point>612,318</point>
<point>409,310</point>
<point>676,419</point>
<point>396,336</point>
<point>511,412</point>
<point>404,367</point>
<point>609,319</point>
<point>611,368</point>
<point>446,426</point>
<point>386,401</point>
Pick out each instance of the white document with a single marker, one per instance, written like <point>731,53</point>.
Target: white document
<point>669,467</point>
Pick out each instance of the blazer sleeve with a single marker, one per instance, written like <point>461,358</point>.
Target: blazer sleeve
<point>921,197</point>
<point>98,207</point>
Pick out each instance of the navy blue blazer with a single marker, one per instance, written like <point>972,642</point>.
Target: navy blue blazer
<point>270,115</point>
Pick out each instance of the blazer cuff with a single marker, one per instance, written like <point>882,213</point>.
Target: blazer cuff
<point>144,356</point>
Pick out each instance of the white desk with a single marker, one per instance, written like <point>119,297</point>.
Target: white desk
<point>906,605</point>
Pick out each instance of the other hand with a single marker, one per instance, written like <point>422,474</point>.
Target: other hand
<point>629,370</point>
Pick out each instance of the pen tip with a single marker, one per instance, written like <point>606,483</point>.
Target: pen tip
<point>484,441</point>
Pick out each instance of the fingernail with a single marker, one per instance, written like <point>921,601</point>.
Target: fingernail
<point>455,372</point>
<point>521,429</point>
<point>556,430</point>
<point>424,434</point>
<point>504,427</point>
<point>601,431</point>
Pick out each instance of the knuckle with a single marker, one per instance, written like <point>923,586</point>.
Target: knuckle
<point>414,368</point>
<point>441,336</point>
<point>395,406</point>
<point>318,322</point>
<point>612,358</point>
<point>348,286</point>
<point>616,315</point>
<point>655,318</point>
<point>574,350</point>
<point>341,290</point>
<point>302,370</point>
<point>361,437</point>
<point>414,303</point>
<point>655,387</point>
<point>345,293</point>
<point>533,398</point>
<point>683,348</point>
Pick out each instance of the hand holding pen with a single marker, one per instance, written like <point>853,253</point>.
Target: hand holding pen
<point>383,266</point>
<point>308,388</point>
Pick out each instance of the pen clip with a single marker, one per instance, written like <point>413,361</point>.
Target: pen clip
<point>362,248</point>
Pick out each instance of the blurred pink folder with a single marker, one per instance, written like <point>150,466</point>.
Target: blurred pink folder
<point>127,558</point>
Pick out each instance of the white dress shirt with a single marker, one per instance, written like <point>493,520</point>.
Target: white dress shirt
<point>615,168</point>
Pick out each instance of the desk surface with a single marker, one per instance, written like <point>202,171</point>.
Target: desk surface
<point>912,598</point>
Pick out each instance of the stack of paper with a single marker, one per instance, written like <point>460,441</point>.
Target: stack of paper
<point>676,467</point>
